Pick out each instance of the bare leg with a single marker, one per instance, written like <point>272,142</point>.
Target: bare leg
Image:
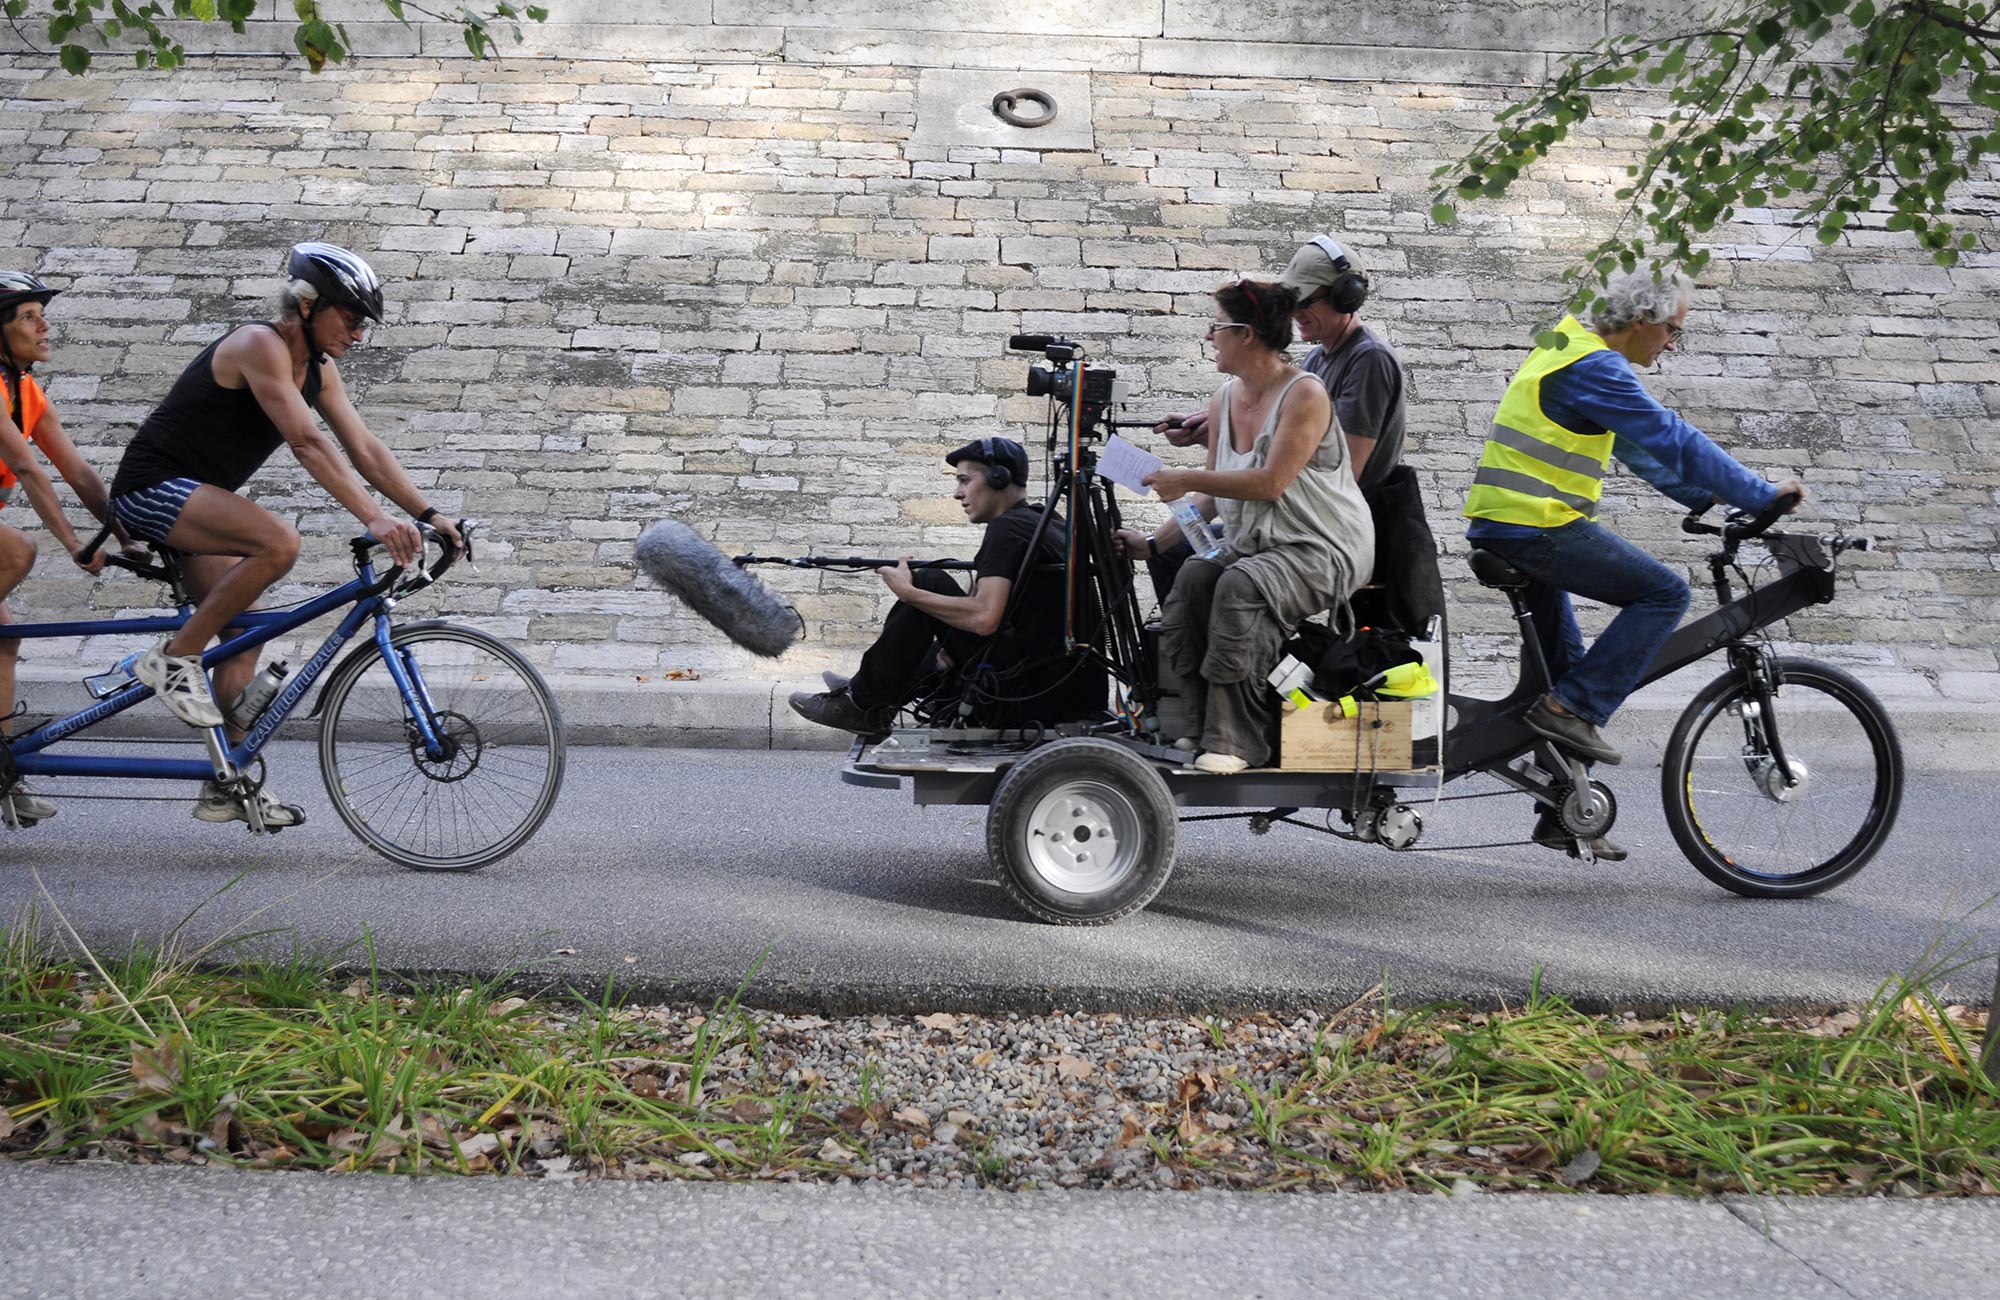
<point>203,573</point>
<point>214,524</point>
<point>235,549</point>
<point>17,558</point>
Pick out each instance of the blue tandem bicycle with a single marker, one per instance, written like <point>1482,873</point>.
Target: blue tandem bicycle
<point>441,747</point>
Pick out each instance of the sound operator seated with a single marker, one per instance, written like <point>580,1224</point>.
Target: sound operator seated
<point>947,646</point>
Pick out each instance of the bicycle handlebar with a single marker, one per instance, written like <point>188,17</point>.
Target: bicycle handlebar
<point>1738,526</point>
<point>367,542</point>
<point>119,560</point>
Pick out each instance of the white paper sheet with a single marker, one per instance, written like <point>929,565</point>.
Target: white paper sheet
<point>1127,465</point>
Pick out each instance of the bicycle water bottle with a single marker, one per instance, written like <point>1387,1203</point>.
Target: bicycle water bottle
<point>1207,541</point>
<point>257,696</point>
<point>114,679</point>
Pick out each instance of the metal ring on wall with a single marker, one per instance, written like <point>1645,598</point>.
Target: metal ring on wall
<point>1003,107</point>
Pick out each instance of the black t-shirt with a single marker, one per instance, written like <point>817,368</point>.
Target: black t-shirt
<point>204,431</point>
<point>1064,688</point>
<point>1365,380</point>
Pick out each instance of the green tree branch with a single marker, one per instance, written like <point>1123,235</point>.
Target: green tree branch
<point>76,26</point>
<point>1759,114</point>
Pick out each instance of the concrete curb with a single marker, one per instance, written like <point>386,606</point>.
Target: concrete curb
<point>1938,733</point>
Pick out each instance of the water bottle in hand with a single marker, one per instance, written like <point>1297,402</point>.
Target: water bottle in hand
<point>1206,540</point>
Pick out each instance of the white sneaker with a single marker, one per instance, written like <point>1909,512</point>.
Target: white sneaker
<point>181,685</point>
<point>1220,764</point>
<point>218,805</point>
<point>23,807</point>
<point>1187,744</point>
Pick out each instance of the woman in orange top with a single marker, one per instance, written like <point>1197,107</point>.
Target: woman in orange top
<point>24,340</point>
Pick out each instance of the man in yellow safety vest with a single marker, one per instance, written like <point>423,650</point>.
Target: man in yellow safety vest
<point>1533,502</point>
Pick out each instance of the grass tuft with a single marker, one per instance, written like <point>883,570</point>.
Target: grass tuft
<point>301,1062</point>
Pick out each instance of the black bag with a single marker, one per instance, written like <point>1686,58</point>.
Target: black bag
<point>1338,666</point>
<point>1410,586</point>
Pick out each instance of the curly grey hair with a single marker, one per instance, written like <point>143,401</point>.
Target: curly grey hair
<point>1632,297</point>
<point>294,293</point>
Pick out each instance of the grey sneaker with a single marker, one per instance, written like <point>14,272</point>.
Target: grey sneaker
<point>218,805</point>
<point>835,681</point>
<point>23,807</point>
<point>181,685</point>
<point>1550,833</point>
<point>1571,732</point>
<point>838,710</point>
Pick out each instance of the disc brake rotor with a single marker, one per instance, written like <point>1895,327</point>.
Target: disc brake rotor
<point>459,744</point>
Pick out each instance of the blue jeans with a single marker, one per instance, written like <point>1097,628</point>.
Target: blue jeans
<point>1597,564</point>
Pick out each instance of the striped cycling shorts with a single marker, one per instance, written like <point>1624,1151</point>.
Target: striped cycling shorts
<point>150,512</point>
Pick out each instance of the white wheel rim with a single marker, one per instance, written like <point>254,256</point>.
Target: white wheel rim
<point>1083,837</point>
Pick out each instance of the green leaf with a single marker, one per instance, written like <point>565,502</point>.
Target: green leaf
<point>1444,214</point>
<point>75,59</point>
<point>1862,14</point>
<point>537,14</point>
<point>1554,340</point>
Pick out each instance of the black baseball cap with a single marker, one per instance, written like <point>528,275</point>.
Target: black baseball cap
<point>995,451</point>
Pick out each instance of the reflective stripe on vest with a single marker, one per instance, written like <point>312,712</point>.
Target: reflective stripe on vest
<point>33,404</point>
<point>1532,470</point>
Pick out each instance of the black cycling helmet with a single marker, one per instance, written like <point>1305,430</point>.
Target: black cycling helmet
<point>342,279</point>
<point>17,287</point>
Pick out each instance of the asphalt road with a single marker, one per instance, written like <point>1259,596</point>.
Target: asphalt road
<point>672,870</point>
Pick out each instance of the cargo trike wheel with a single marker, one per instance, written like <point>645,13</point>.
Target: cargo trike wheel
<point>1082,832</point>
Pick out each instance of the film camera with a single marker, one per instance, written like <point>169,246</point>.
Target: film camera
<point>1094,390</point>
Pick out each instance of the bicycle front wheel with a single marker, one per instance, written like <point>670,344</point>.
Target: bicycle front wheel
<point>496,773</point>
<point>1770,832</point>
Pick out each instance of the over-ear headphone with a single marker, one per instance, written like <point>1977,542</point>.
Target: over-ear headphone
<point>998,477</point>
<point>1350,287</point>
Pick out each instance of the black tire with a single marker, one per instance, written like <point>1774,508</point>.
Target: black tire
<point>497,782</point>
<point>1082,832</point>
<point>1733,816</point>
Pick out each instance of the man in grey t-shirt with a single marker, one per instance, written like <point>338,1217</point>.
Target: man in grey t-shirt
<point>1358,370</point>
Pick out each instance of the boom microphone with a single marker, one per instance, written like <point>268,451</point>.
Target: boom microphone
<point>676,557</point>
<point>1029,342</point>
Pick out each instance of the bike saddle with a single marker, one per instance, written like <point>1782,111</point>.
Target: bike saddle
<point>1492,571</point>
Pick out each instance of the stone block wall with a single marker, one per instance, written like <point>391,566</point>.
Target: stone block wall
<point>737,293</point>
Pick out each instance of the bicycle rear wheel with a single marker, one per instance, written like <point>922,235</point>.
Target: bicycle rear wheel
<point>502,761</point>
<point>1738,819</point>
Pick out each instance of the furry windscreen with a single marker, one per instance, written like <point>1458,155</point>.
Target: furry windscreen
<point>673,555</point>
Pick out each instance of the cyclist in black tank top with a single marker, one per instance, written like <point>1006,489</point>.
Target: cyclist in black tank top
<point>206,432</point>
<point>254,388</point>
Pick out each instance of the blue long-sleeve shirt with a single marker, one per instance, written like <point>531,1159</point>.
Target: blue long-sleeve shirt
<point>1599,392</point>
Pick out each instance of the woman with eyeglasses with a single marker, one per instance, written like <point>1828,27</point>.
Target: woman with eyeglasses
<point>29,419</point>
<point>1297,538</point>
